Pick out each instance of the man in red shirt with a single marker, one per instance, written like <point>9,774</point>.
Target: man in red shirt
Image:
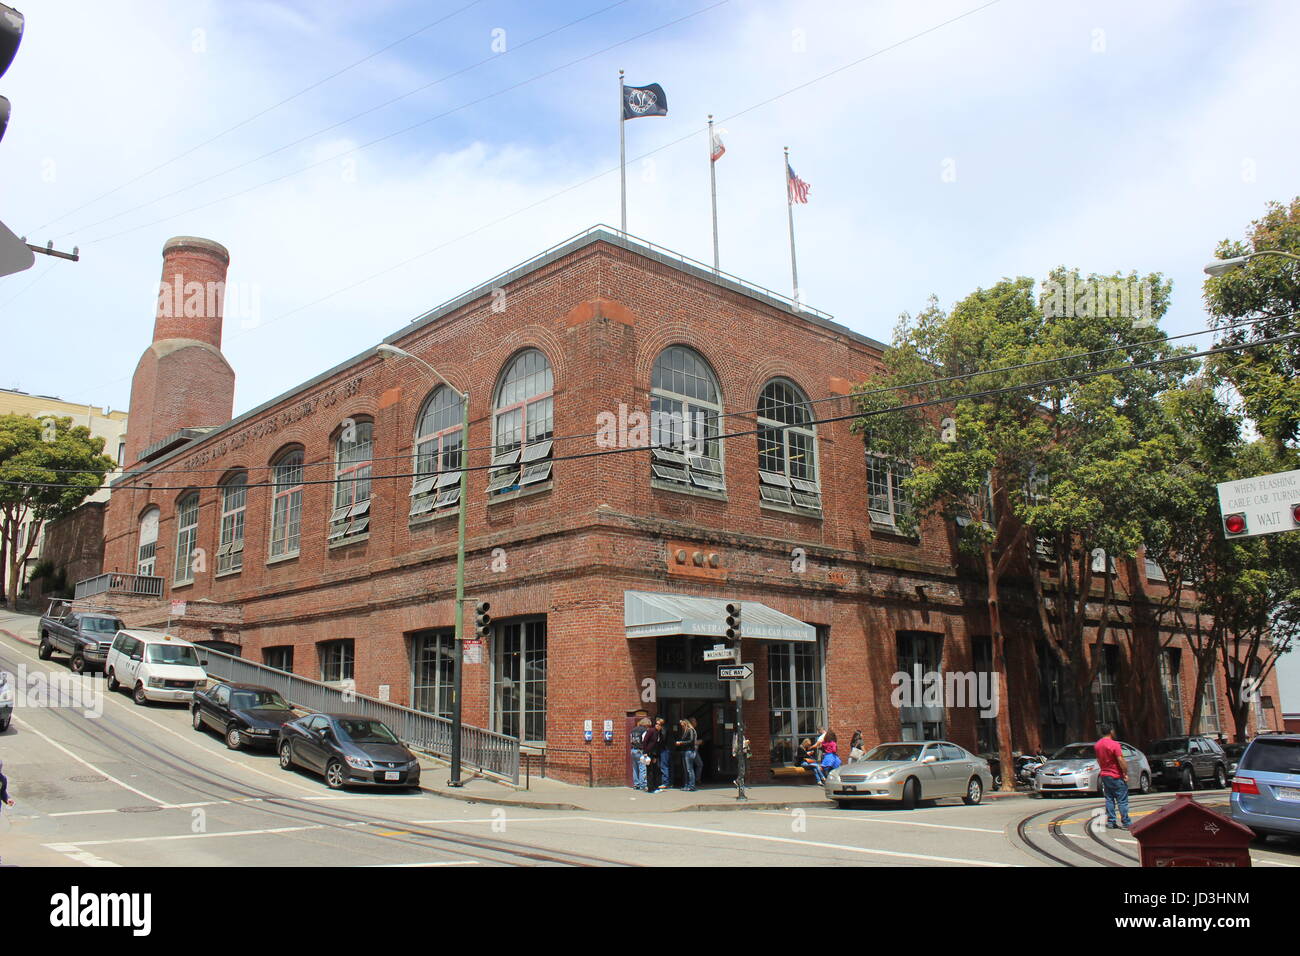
<point>1114,777</point>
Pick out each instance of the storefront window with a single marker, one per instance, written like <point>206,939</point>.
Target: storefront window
<point>920,652</point>
<point>795,699</point>
<point>519,680</point>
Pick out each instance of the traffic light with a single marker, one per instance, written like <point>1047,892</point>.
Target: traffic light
<point>11,34</point>
<point>1235,524</point>
<point>733,621</point>
<point>482,619</point>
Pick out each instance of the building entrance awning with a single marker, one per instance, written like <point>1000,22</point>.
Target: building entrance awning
<point>662,615</point>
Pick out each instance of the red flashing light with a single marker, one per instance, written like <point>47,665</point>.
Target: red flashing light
<point>1295,514</point>
<point>1235,524</point>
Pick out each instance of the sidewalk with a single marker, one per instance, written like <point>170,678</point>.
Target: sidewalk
<point>547,794</point>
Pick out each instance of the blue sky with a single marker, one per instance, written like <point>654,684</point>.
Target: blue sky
<point>1103,135</point>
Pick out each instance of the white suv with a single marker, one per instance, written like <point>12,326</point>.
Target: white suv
<point>155,666</point>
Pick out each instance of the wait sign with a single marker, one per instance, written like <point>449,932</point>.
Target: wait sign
<point>1264,505</point>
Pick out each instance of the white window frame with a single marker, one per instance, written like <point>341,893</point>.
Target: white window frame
<point>234,508</point>
<point>286,523</point>
<point>519,715</point>
<point>900,506</point>
<point>147,550</point>
<point>800,491</point>
<point>353,464</point>
<point>345,661</point>
<point>436,486</point>
<point>677,460</point>
<point>524,458</point>
<point>187,538</point>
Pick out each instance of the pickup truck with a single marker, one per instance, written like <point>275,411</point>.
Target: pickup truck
<point>84,635</point>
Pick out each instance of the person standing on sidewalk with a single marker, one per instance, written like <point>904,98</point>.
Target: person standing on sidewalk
<point>687,743</point>
<point>639,762</point>
<point>650,748</point>
<point>699,760</point>
<point>5,799</point>
<point>1114,778</point>
<point>667,748</point>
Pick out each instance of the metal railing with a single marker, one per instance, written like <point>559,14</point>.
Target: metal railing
<point>488,752</point>
<point>143,584</point>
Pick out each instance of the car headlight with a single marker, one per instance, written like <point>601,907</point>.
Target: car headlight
<point>359,763</point>
<point>155,682</point>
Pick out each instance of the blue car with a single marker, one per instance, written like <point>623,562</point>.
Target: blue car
<point>1266,788</point>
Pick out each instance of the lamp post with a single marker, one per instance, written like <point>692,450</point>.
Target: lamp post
<point>385,351</point>
<point>1223,266</point>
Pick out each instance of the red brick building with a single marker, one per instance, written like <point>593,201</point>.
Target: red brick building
<point>318,531</point>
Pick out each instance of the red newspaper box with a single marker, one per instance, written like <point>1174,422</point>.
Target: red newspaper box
<point>1184,833</point>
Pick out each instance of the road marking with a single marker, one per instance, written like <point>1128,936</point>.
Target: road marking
<point>436,863</point>
<point>87,763</point>
<point>201,836</point>
<point>902,823</point>
<point>508,820</point>
<point>80,813</point>
<point>84,857</point>
<point>802,843</point>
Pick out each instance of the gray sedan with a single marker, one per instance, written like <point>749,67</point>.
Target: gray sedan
<point>911,771</point>
<point>1074,769</point>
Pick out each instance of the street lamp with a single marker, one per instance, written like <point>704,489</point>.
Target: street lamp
<point>385,351</point>
<point>1223,266</point>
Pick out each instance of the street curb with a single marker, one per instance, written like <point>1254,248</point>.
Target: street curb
<point>20,640</point>
<point>500,802</point>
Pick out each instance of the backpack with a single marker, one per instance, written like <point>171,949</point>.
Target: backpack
<point>638,737</point>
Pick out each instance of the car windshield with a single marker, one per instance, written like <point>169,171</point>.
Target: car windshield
<point>101,625</point>
<point>1169,745</point>
<point>1076,752</point>
<point>366,732</point>
<point>1272,756</point>
<point>895,752</point>
<point>258,700</point>
<point>172,654</point>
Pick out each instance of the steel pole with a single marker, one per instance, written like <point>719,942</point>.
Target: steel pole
<point>622,158</point>
<point>458,670</point>
<point>789,208</point>
<point>713,193</point>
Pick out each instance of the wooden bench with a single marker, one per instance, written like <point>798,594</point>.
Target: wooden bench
<point>793,774</point>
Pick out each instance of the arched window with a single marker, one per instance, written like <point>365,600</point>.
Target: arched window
<point>230,549</point>
<point>353,450</point>
<point>523,424</point>
<point>787,447</point>
<point>439,440</point>
<point>286,504</point>
<point>147,556</point>
<point>187,537</point>
<point>685,412</point>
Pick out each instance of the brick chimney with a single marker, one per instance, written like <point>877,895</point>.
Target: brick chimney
<point>183,380</point>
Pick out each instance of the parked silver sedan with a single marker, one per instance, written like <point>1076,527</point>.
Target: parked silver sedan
<point>909,772</point>
<point>1074,769</point>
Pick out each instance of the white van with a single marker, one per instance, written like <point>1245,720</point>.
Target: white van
<point>155,666</point>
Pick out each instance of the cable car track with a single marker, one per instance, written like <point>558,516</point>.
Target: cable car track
<point>1064,844</point>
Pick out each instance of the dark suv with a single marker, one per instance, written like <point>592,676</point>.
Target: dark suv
<point>1180,763</point>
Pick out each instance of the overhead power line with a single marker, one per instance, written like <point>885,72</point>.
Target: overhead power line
<point>138,480</point>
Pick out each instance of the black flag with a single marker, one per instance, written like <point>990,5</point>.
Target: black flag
<point>641,101</point>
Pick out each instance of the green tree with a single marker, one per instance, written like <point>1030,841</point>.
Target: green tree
<point>35,453</point>
<point>1267,378</point>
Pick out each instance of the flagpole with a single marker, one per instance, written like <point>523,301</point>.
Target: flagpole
<point>713,194</point>
<point>789,206</point>
<point>622,157</point>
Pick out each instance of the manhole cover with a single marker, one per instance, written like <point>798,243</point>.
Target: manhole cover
<point>138,809</point>
<point>88,778</point>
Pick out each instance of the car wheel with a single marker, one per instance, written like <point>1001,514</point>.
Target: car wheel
<point>78,664</point>
<point>4,724</point>
<point>44,652</point>
<point>286,756</point>
<point>113,685</point>
<point>334,778</point>
<point>234,739</point>
<point>974,792</point>
<point>139,696</point>
<point>1189,780</point>
<point>198,719</point>
<point>1144,783</point>
<point>911,794</point>
<point>1220,777</point>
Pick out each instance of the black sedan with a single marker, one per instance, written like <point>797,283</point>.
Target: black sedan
<point>348,750</point>
<point>244,713</point>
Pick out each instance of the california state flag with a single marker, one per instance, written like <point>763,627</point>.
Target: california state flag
<point>716,149</point>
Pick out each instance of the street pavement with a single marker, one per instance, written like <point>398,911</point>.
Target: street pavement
<point>138,786</point>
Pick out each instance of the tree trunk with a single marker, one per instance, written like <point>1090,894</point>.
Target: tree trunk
<point>1003,716</point>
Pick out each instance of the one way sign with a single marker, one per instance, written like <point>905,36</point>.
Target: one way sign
<point>735,672</point>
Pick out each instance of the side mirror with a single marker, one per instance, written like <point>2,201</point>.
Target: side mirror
<point>929,758</point>
<point>203,663</point>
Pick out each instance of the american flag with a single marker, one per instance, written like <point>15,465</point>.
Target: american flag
<point>796,188</point>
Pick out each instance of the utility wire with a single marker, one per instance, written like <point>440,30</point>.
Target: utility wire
<point>261,113</point>
<point>910,406</point>
<point>747,413</point>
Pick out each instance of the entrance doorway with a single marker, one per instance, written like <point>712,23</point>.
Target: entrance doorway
<point>715,721</point>
<point>688,687</point>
